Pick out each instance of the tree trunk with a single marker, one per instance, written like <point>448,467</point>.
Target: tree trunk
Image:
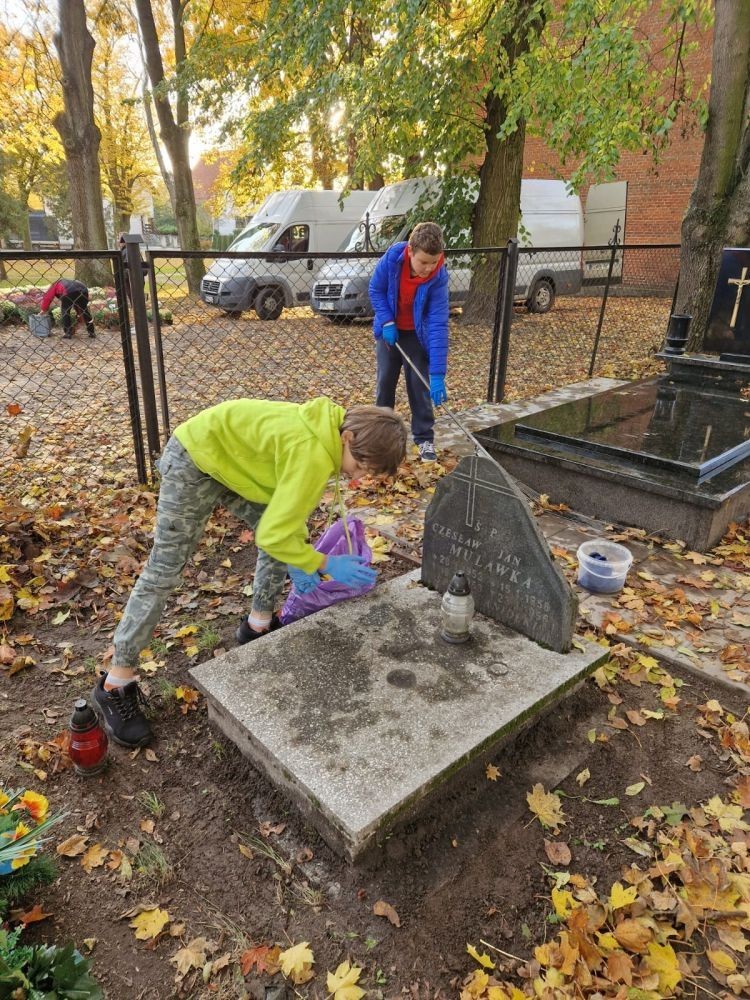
<point>495,217</point>
<point>166,173</point>
<point>25,194</point>
<point>80,138</point>
<point>719,211</point>
<point>498,206</point>
<point>175,132</point>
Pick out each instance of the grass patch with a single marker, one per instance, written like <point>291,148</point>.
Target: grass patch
<point>152,864</point>
<point>152,803</point>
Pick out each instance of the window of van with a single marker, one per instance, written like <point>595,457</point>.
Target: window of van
<point>383,232</point>
<point>255,237</point>
<point>295,239</point>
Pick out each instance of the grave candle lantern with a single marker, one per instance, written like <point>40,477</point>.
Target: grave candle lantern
<point>457,610</point>
<point>88,741</point>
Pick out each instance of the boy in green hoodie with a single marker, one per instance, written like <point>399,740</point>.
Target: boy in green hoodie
<point>269,463</point>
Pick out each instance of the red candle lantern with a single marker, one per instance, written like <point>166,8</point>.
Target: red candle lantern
<point>88,743</point>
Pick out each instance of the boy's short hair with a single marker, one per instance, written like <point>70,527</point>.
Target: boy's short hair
<point>428,237</point>
<point>379,437</point>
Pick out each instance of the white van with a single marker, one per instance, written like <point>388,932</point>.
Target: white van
<point>550,217</point>
<point>288,225</point>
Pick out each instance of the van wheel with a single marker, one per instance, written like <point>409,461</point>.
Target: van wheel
<point>269,302</point>
<point>542,296</point>
<point>232,313</point>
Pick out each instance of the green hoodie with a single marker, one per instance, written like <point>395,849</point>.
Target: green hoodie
<point>280,455</point>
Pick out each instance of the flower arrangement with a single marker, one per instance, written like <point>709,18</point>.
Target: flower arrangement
<point>24,820</point>
<point>16,304</point>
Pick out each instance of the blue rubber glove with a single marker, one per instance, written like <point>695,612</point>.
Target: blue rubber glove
<point>352,571</point>
<point>303,582</point>
<point>438,392</point>
<point>390,333</point>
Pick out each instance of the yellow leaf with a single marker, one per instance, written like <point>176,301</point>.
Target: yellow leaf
<point>635,789</point>
<point>546,807</point>
<point>94,857</point>
<point>296,963</point>
<point>342,982</point>
<point>492,772</point>
<point>192,956</point>
<point>582,777</point>
<point>191,650</point>
<point>563,902</point>
<point>477,984</point>
<point>484,960</point>
<point>150,923</point>
<point>7,604</point>
<point>186,630</point>
<point>620,897</point>
<point>721,961</point>
<point>729,816</point>
<point>662,960</point>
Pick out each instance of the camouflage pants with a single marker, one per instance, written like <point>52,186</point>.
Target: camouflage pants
<point>186,499</point>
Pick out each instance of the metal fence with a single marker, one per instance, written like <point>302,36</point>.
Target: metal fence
<point>565,314</point>
<point>294,325</point>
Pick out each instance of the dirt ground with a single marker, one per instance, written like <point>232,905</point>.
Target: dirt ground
<point>191,827</point>
<point>470,868</point>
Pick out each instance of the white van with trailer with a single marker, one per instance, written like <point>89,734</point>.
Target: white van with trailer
<point>288,226</point>
<point>550,217</point>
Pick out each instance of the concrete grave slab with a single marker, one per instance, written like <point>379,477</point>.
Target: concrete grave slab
<point>361,711</point>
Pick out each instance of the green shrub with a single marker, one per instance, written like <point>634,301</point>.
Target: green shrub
<point>44,972</point>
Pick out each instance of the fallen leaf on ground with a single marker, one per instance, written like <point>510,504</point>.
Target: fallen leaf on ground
<point>342,982</point>
<point>635,789</point>
<point>695,763</point>
<point>619,896</point>
<point>264,958</point>
<point>267,828</point>
<point>557,852</point>
<point>492,772</point>
<point>34,915</point>
<point>73,846</point>
<point>192,956</point>
<point>94,857</point>
<point>150,923</point>
<point>484,960</point>
<point>546,807</point>
<point>383,909</point>
<point>296,963</point>
<point>582,777</point>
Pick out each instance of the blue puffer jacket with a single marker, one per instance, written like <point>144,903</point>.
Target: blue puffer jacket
<point>430,305</point>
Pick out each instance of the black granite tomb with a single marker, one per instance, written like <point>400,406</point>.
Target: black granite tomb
<point>479,522</point>
<point>670,454</point>
<point>728,332</point>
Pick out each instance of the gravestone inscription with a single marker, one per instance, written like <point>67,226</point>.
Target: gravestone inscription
<point>479,522</point>
<point>728,331</point>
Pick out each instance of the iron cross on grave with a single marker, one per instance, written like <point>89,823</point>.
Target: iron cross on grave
<point>474,481</point>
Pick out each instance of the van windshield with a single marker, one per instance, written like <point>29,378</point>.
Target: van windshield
<point>383,232</point>
<point>255,237</point>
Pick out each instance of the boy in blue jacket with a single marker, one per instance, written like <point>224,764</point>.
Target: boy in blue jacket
<point>409,293</point>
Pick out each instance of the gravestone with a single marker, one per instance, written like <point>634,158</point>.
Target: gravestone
<point>478,521</point>
<point>728,331</point>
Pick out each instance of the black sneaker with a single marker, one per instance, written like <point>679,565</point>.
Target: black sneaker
<point>246,634</point>
<point>67,336</point>
<point>120,712</point>
<point>91,336</point>
<point>427,451</point>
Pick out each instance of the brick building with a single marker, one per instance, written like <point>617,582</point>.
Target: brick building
<point>658,193</point>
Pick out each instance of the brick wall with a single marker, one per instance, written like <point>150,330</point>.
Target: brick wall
<point>658,194</point>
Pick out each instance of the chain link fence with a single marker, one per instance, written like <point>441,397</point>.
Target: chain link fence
<point>578,313</point>
<point>294,325</point>
<point>62,394</point>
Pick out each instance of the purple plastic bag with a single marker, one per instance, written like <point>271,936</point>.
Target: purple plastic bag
<point>333,543</point>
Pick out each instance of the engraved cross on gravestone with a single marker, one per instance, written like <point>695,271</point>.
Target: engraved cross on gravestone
<point>479,522</point>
